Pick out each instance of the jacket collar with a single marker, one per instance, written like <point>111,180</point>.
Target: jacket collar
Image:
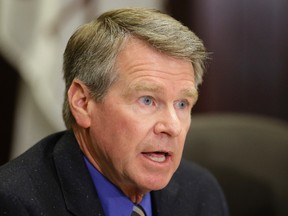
<point>77,187</point>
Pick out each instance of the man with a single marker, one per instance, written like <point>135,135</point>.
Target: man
<point>131,82</point>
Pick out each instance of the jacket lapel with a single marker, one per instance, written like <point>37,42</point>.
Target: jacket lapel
<point>78,190</point>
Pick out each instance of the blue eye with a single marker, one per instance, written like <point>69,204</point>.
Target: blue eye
<point>147,100</point>
<point>182,104</point>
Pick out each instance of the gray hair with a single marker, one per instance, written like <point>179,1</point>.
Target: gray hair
<point>91,52</point>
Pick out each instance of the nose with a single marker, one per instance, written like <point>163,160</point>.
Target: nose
<point>168,123</point>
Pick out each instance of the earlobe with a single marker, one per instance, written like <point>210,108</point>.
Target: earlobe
<point>78,96</point>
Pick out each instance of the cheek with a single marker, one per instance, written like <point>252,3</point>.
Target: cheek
<point>130,126</point>
<point>181,143</point>
<point>118,133</point>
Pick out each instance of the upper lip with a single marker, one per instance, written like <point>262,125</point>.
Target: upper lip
<point>167,153</point>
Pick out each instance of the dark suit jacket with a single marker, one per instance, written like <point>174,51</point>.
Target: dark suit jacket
<point>52,179</point>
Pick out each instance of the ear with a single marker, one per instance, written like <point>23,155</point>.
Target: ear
<point>78,96</point>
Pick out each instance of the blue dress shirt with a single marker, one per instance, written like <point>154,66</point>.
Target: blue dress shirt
<point>113,200</point>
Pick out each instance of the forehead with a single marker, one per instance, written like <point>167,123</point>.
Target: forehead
<point>139,57</point>
<point>143,68</point>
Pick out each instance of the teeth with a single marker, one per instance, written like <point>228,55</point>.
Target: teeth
<point>157,157</point>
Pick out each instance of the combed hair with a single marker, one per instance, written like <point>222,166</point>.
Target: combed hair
<point>91,52</point>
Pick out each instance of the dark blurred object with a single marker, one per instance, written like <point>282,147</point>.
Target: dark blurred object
<point>249,157</point>
<point>248,41</point>
<point>8,88</point>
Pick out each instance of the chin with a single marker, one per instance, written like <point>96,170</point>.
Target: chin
<point>155,183</point>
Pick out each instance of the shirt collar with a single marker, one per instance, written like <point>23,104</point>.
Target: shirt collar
<point>113,200</point>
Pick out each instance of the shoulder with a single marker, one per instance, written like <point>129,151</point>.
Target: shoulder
<point>48,179</point>
<point>194,179</point>
<point>27,175</point>
<point>193,190</point>
<point>194,176</point>
<point>31,159</point>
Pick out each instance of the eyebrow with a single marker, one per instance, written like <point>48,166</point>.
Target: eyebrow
<point>146,87</point>
<point>190,93</point>
<point>149,87</point>
<point>142,87</point>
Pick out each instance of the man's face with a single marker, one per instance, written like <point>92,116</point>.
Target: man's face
<point>137,133</point>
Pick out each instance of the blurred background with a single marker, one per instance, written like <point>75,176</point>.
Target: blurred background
<point>239,125</point>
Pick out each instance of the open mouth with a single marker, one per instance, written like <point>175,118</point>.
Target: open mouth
<point>157,156</point>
